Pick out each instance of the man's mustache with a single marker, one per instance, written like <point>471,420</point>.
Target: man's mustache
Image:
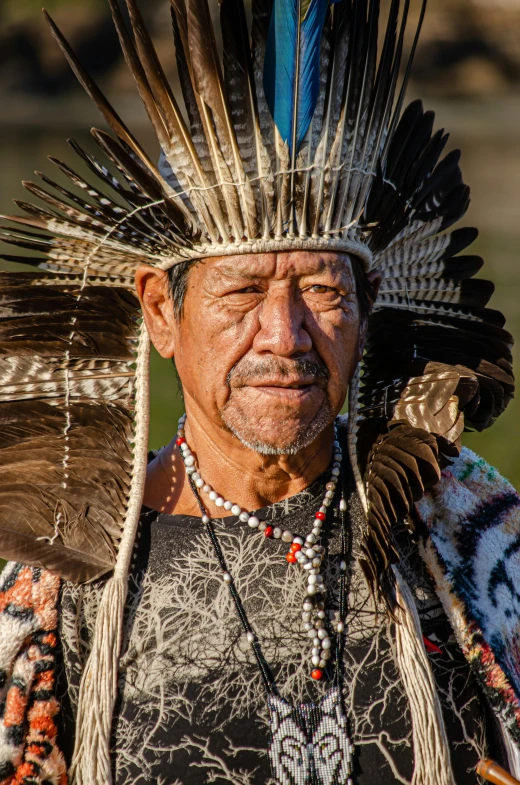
<point>248,369</point>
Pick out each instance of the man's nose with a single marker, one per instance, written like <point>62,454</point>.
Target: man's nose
<point>282,329</point>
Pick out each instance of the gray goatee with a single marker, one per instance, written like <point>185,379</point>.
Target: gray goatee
<point>241,427</point>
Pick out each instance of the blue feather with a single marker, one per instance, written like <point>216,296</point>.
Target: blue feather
<point>292,66</point>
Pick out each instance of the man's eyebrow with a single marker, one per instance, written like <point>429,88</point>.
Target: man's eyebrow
<point>339,273</point>
<point>233,272</point>
<point>344,273</point>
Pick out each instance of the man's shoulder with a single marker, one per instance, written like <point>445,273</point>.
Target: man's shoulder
<point>471,495</point>
<point>473,521</point>
<point>472,471</point>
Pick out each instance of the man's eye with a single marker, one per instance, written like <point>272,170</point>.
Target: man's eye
<point>319,289</point>
<point>244,290</point>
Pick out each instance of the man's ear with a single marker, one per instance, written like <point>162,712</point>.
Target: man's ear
<point>152,287</point>
<point>374,278</point>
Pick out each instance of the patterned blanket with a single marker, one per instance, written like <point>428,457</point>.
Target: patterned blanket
<point>28,707</point>
<point>473,552</point>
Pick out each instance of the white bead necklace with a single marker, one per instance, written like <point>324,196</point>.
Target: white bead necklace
<point>307,552</point>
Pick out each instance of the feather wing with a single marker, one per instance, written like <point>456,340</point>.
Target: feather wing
<point>66,411</point>
<point>402,464</point>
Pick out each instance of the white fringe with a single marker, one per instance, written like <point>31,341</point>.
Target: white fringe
<point>353,394</point>
<point>432,764</point>
<point>512,751</point>
<point>98,688</point>
<point>430,743</point>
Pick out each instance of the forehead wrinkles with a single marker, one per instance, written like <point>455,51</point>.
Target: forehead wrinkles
<point>282,266</point>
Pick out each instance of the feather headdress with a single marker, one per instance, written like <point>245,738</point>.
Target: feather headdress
<point>295,138</point>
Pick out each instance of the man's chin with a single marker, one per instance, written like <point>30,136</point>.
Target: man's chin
<point>280,432</point>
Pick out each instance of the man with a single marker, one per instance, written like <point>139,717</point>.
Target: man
<point>302,598</point>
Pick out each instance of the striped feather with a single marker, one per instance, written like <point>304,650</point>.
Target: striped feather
<point>243,105</point>
<point>66,403</point>
<point>468,292</point>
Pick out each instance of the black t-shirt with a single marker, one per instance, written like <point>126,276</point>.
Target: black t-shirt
<point>192,708</point>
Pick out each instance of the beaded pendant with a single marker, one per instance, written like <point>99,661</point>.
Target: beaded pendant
<point>309,744</point>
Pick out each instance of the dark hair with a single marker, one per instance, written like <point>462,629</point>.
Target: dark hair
<point>364,290</point>
<point>178,285</point>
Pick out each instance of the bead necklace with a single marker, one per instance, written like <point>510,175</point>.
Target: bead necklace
<point>307,552</point>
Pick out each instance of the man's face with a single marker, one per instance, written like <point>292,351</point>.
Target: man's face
<point>268,343</point>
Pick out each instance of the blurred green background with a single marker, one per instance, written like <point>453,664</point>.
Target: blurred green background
<point>467,69</point>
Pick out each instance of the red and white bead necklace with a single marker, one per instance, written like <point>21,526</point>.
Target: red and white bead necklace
<point>308,553</point>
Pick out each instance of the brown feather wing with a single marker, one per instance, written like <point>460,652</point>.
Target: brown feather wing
<point>66,410</point>
<point>402,464</point>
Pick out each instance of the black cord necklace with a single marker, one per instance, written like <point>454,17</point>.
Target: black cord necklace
<point>344,557</point>
<point>309,743</point>
<point>307,552</point>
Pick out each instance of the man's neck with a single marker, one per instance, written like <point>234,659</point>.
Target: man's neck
<point>236,472</point>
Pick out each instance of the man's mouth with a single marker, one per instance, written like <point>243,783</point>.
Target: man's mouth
<point>288,391</point>
<point>283,384</point>
<point>271,374</point>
